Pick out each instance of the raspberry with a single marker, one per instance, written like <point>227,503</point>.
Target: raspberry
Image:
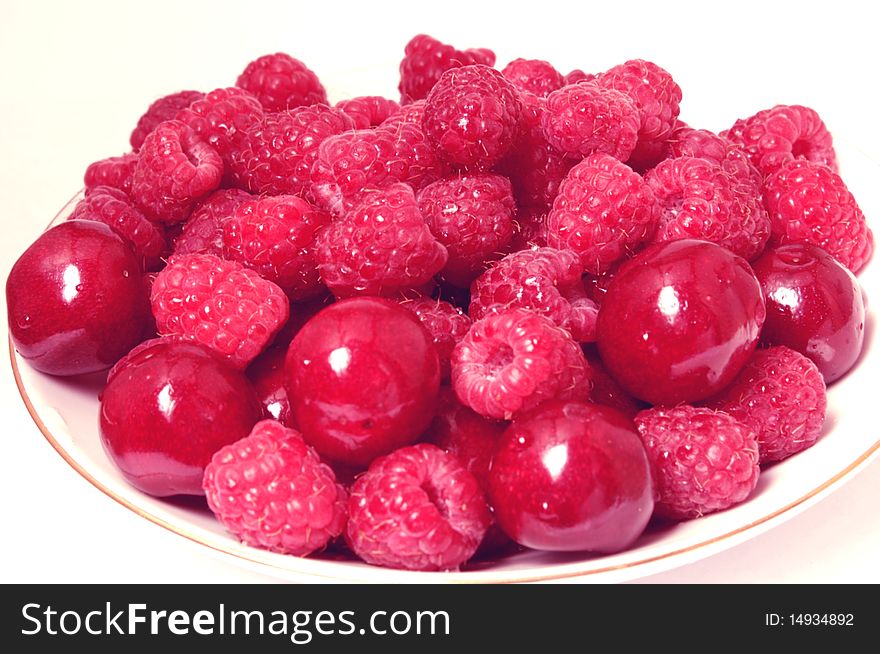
<point>165,108</point>
<point>369,110</point>
<point>808,202</point>
<point>699,199</point>
<point>656,97</point>
<point>417,509</point>
<point>533,165</point>
<point>534,75</point>
<point>380,247</point>
<point>513,360</point>
<point>113,207</point>
<point>473,216</point>
<point>426,58</point>
<point>544,280</point>
<point>780,396</point>
<point>271,490</point>
<point>701,460</point>
<point>447,325</point>
<point>577,75</point>
<point>174,169</point>
<point>275,156</point>
<point>220,304</point>
<point>275,236</point>
<point>686,141</point>
<point>531,230</point>
<point>414,113</point>
<point>354,163</point>
<point>113,171</point>
<point>604,211</point>
<point>773,137</point>
<point>281,82</point>
<point>203,231</point>
<point>584,118</point>
<point>221,117</point>
<point>471,116</point>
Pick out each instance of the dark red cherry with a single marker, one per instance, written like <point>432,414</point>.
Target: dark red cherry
<point>571,476</point>
<point>814,306</point>
<point>679,321</point>
<point>168,406</point>
<point>75,299</point>
<point>362,379</point>
<point>266,373</point>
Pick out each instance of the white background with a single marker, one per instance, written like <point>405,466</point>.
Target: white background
<point>75,76</point>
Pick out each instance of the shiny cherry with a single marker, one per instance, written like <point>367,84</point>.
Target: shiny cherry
<point>571,476</point>
<point>679,321</point>
<point>266,373</point>
<point>75,299</point>
<point>167,408</point>
<point>814,306</point>
<point>362,379</point>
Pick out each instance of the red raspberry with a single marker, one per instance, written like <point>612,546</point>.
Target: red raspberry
<point>368,110</point>
<point>656,97</point>
<point>513,360</point>
<point>544,280</point>
<point>577,75</point>
<point>221,117</point>
<point>275,236</point>
<point>165,108</point>
<point>699,199</point>
<point>417,509</point>
<point>808,202</point>
<point>354,163</point>
<point>446,323</point>
<point>604,211</point>
<point>381,247</point>
<point>272,491</point>
<point>113,207</point>
<point>414,113</point>
<point>174,169</point>
<point>584,118</point>
<point>473,216</point>
<point>113,171</point>
<point>534,75</point>
<point>275,156</point>
<point>773,137</point>
<point>531,230</point>
<point>779,395</point>
<point>472,116</point>
<point>533,165</point>
<point>281,82</point>
<point>426,58</point>
<point>220,304</point>
<point>701,460</point>
<point>203,231</point>
<point>689,142</point>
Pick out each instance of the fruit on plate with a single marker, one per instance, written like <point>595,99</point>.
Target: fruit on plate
<point>75,299</point>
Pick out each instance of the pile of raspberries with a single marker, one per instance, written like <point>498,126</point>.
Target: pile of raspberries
<point>483,199</point>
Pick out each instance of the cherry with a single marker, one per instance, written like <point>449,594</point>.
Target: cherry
<point>679,321</point>
<point>571,476</point>
<point>362,379</point>
<point>75,298</point>
<point>167,408</point>
<point>266,373</point>
<point>814,306</point>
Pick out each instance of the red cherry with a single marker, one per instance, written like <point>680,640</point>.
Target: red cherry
<point>76,300</point>
<point>571,476</point>
<point>266,373</point>
<point>167,408</point>
<point>362,378</point>
<point>679,321</point>
<point>814,306</point>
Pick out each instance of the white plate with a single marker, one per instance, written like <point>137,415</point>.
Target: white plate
<point>66,412</point>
